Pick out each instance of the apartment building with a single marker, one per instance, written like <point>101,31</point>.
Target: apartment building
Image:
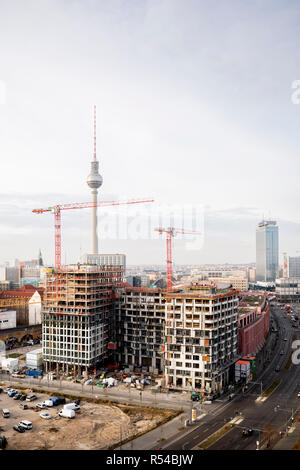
<point>201,337</point>
<point>288,289</point>
<point>237,282</point>
<point>107,259</point>
<point>294,267</point>
<point>77,316</point>
<point>140,330</point>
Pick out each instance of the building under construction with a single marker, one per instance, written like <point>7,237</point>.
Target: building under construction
<point>78,317</point>
<point>140,328</point>
<point>201,337</point>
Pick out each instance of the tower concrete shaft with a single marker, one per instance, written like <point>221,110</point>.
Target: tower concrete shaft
<point>94,222</point>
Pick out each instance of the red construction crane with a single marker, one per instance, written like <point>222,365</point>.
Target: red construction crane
<point>80,205</point>
<point>171,232</point>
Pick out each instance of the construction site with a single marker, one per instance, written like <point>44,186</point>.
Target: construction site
<point>97,425</point>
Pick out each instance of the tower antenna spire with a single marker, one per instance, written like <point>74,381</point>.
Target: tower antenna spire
<point>95,127</point>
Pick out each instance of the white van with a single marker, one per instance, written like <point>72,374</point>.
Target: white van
<point>25,424</point>
<point>72,406</point>
<point>48,403</point>
<point>6,413</point>
<point>67,413</point>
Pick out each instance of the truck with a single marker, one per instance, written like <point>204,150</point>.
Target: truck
<point>67,413</point>
<point>32,372</point>
<point>58,400</point>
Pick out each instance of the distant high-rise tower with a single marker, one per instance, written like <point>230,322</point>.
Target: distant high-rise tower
<point>94,181</point>
<point>266,251</point>
<point>40,259</point>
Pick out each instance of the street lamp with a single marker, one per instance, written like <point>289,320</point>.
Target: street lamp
<point>288,410</point>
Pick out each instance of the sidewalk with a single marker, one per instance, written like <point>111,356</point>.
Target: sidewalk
<point>152,438</point>
<point>290,440</point>
<point>157,437</point>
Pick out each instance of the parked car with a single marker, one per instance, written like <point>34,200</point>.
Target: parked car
<point>298,395</point>
<point>48,403</point>
<point>285,339</point>
<point>277,369</point>
<point>23,397</point>
<point>19,428</point>
<point>281,353</point>
<point>45,415</point>
<point>5,413</point>
<point>31,397</point>
<point>26,424</point>
<point>24,406</point>
<point>12,394</point>
<point>41,405</point>
<point>17,396</point>
<point>1,390</point>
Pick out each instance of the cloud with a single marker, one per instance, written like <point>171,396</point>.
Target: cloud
<point>193,107</point>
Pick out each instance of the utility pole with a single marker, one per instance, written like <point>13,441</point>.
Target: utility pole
<point>261,386</point>
<point>277,408</point>
<point>120,436</point>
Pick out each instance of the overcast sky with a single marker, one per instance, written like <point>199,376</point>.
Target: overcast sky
<point>194,108</point>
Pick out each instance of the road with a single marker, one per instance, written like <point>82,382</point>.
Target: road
<point>254,414</point>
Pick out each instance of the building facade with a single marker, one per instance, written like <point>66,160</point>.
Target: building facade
<point>8,319</point>
<point>77,313</point>
<point>254,325</point>
<point>266,251</point>
<point>201,337</point>
<point>237,282</point>
<point>288,289</point>
<point>112,259</point>
<point>140,331</point>
<point>27,302</point>
<point>294,267</point>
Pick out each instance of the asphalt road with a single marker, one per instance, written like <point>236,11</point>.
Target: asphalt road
<point>254,414</point>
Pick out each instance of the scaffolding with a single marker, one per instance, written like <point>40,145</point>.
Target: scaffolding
<point>77,315</point>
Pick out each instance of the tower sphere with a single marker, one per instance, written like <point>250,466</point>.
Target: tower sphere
<point>94,180</point>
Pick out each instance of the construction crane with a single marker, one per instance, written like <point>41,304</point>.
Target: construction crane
<point>56,210</point>
<point>171,232</point>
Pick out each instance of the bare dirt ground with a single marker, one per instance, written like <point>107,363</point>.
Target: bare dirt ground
<point>96,426</point>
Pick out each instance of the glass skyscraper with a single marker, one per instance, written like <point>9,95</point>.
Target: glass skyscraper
<point>267,251</point>
<point>294,266</point>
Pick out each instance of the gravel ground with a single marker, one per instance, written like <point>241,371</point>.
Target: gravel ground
<point>96,426</point>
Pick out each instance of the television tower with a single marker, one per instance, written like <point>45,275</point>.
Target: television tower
<point>94,181</point>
